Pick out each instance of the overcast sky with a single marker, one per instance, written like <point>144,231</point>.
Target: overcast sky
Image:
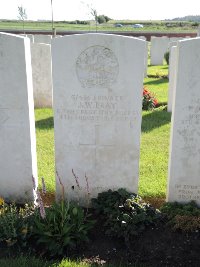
<point>115,9</point>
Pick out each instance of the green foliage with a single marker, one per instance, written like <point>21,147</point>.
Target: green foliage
<point>166,56</point>
<point>124,215</point>
<point>184,217</point>
<point>102,19</point>
<point>65,227</point>
<point>175,208</point>
<point>15,225</point>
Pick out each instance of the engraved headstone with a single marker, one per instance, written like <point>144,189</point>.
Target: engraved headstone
<point>97,87</point>
<point>17,124</point>
<point>42,75</point>
<point>184,165</point>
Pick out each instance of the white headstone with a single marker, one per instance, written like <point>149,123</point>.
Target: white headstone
<point>146,55</point>
<point>159,46</point>
<point>17,124</point>
<point>142,37</point>
<point>97,85</point>
<point>172,77</point>
<point>174,43</point>
<point>31,37</point>
<point>42,38</point>
<point>184,165</point>
<point>146,59</point>
<point>175,39</point>
<point>42,75</point>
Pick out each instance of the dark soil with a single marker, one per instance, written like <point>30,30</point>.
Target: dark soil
<point>156,247</point>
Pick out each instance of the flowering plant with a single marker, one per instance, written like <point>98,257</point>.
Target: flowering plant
<point>148,101</point>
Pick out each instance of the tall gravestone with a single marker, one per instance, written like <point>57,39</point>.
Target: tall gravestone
<point>97,85</point>
<point>42,75</point>
<point>172,77</point>
<point>184,164</point>
<point>17,124</point>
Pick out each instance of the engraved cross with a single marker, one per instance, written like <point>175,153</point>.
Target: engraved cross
<point>96,143</point>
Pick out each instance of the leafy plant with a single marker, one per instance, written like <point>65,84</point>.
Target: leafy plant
<point>148,101</point>
<point>184,217</point>
<point>166,56</point>
<point>124,215</point>
<point>14,224</point>
<point>64,227</point>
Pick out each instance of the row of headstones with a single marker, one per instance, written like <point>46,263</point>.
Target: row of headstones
<point>161,45</point>
<point>41,65</point>
<point>42,68</point>
<point>97,81</point>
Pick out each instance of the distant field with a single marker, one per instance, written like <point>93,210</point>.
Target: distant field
<point>127,25</point>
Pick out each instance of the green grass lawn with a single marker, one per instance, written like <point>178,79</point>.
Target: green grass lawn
<point>157,83</point>
<point>149,26</point>
<point>154,153</point>
<point>159,88</point>
<point>45,147</point>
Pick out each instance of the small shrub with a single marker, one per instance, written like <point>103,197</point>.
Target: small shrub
<point>148,101</point>
<point>186,223</point>
<point>15,224</point>
<point>184,217</point>
<point>166,56</point>
<point>64,227</point>
<point>124,215</point>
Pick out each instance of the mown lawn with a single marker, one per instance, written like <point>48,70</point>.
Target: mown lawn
<point>149,26</point>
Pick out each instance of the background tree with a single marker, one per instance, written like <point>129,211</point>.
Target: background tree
<point>102,19</point>
<point>95,16</point>
<point>22,15</point>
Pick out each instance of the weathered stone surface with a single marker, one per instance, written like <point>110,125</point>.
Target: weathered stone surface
<point>172,77</point>
<point>42,38</point>
<point>159,46</point>
<point>17,124</point>
<point>97,85</point>
<point>184,167</point>
<point>42,75</point>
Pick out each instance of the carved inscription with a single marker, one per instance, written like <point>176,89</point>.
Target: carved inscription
<point>190,130</point>
<point>187,192</point>
<point>97,66</point>
<point>96,108</point>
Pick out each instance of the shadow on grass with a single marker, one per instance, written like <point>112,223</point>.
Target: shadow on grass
<point>45,123</point>
<point>155,119</point>
<point>156,81</point>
